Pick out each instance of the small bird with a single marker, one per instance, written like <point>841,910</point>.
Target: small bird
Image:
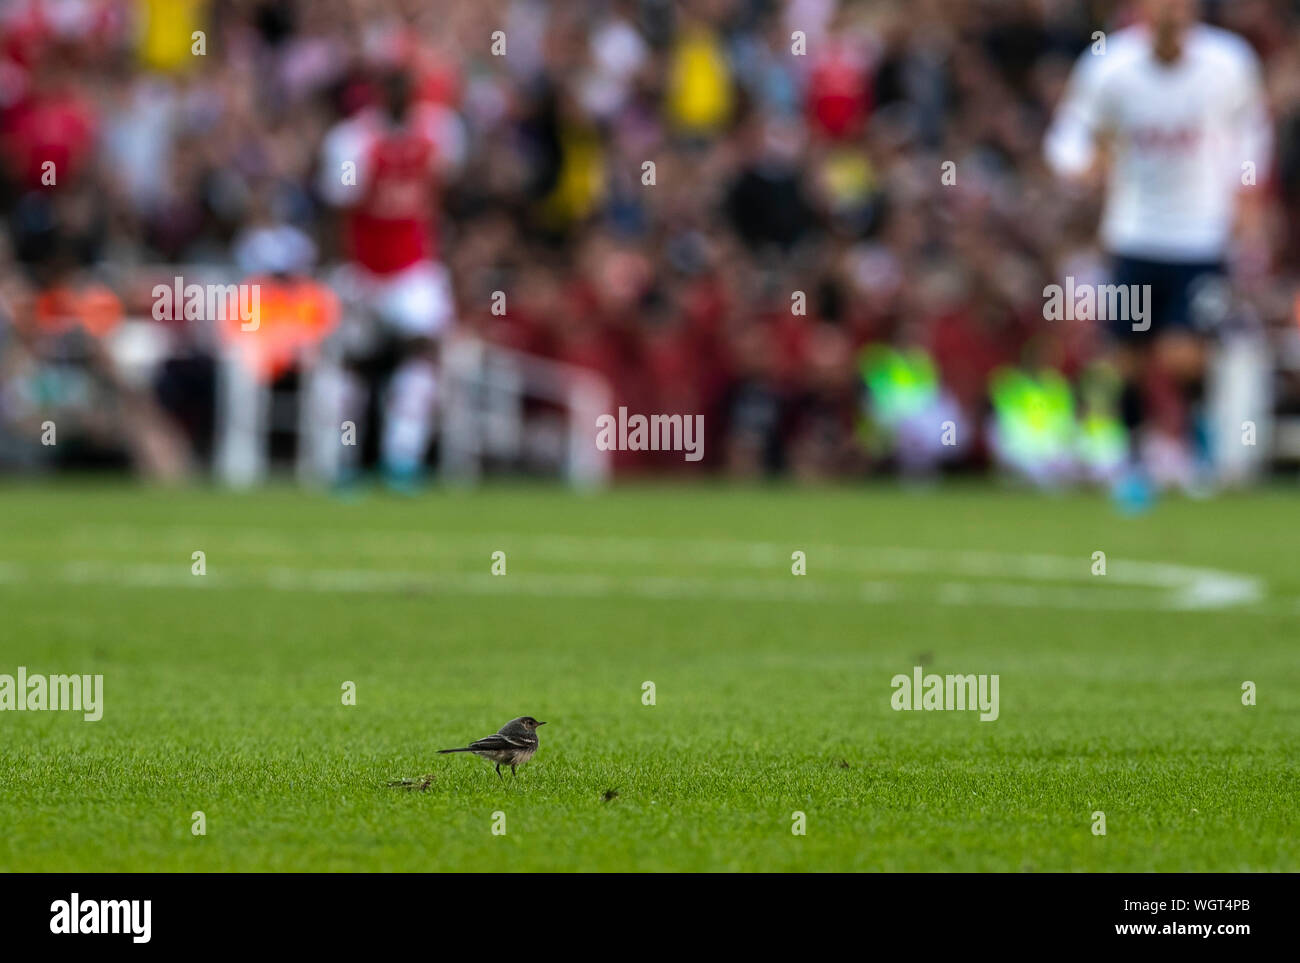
<point>513,744</point>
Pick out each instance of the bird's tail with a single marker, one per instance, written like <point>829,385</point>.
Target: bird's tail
<point>462,749</point>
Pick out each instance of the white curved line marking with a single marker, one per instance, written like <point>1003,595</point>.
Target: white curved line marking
<point>1181,587</point>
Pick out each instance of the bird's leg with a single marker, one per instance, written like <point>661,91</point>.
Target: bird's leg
<point>499,770</point>
<point>513,772</point>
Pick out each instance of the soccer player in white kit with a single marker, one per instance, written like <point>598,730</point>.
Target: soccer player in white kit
<point>1172,115</point>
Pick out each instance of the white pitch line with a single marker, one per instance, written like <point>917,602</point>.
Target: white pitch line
<point>746,554</point>
<point>1182,587</point>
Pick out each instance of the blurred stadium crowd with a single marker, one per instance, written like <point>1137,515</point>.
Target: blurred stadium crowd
<point>774,173</point>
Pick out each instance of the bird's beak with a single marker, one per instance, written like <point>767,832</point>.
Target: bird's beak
<point>541,723</point>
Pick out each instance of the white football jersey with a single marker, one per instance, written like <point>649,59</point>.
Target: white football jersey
<point>1184,139</point>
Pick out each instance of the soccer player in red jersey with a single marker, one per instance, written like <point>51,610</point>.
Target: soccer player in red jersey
<point>383,167</point>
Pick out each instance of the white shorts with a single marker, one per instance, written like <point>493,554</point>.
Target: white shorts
<point>415,302</point>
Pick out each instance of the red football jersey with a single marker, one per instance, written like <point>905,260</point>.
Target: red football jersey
<point>393,226</point>
<point>391,221</point>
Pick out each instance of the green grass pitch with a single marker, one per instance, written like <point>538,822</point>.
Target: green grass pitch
<point>1119,693</point>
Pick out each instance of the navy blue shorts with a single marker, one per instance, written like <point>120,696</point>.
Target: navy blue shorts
<point>1183,295</point>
